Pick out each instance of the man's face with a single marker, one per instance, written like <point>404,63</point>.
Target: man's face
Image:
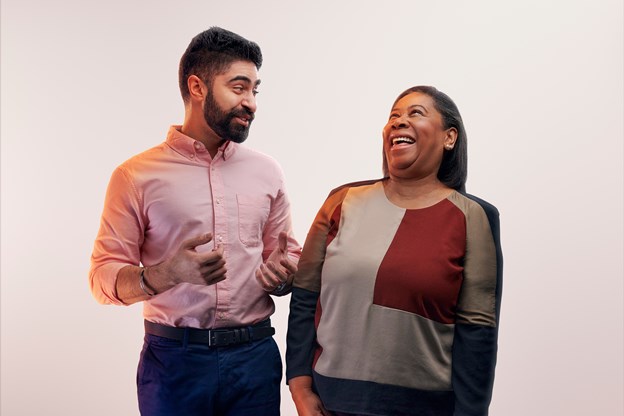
<point>230,104</point>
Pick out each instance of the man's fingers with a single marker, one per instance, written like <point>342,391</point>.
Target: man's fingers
<point>267,280</point>
<point>289,265</point>
<point>263,283</point>
<point>216,275</point>
<point>282,275</point>
<point>270,277</point>
<point>191,243</point>
<point>209,267</point>
<point>211,257</point>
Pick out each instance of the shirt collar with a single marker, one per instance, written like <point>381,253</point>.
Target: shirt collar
<point>193,149</point>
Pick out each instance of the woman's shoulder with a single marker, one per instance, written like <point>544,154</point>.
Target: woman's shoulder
<point>489,208</point>
<point>477,210</point>
<point>347,186</point>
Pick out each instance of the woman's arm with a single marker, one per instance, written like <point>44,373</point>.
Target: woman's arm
<point>478,311</point>
<point>301,344</point>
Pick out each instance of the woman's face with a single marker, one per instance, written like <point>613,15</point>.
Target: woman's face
<point>414,138</point>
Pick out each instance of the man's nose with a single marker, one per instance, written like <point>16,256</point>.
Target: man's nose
<point>249,102</point>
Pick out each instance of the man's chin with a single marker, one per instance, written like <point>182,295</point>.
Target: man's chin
<point>238,136</point>
<point>237,139</point>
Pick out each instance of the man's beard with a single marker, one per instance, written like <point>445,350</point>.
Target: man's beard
<point>221,122</point>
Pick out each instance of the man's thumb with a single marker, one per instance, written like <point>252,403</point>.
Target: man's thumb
<point>282,241</point>
<point>197,241</point>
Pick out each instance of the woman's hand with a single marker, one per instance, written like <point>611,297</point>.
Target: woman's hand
<point>307,402</point>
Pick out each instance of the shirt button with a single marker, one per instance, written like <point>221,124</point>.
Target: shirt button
<point>197,145</point>
<point>221,315</point>
<point>220,239</point>
<point>192,156</point>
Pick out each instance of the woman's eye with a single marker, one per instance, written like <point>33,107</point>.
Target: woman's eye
<point>255,92</point>
<point>415,112</point>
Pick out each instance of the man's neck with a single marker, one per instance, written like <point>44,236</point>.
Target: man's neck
<point>202,133</point>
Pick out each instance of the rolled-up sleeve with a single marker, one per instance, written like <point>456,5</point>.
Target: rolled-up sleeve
<point>119,238</point>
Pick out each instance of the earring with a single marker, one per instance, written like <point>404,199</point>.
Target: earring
<point>448,146</point>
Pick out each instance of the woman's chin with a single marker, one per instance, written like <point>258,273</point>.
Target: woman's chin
<point>399,169</point>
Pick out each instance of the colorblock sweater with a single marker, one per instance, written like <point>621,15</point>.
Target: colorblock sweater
<point>395,311</point>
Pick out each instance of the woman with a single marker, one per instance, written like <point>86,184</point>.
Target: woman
<point>395,306</point>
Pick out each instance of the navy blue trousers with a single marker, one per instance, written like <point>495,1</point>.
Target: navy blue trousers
<point>179,379</point>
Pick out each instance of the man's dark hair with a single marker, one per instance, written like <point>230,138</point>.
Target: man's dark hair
<point>454,168</point>
<point>211,53</point>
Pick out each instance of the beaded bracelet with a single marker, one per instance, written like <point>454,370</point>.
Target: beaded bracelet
<point>143,286</point>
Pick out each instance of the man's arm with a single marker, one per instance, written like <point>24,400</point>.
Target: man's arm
<point>281,251</point>
<point>119,238</point>
<point>115,275</point>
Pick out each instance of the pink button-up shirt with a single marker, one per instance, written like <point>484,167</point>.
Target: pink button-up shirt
<point>176,191</point>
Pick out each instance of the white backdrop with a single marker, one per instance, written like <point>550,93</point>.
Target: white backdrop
<point>85,85</point>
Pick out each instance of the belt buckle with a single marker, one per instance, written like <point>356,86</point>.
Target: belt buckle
<point>227,337</point>
<point>218,338</point>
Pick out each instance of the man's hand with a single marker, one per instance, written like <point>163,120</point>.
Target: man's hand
<point>188,266</point>
<point>279,268</point>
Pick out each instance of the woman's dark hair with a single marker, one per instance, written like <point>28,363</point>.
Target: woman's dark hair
<point>454,168</point>
<point>212,52</point>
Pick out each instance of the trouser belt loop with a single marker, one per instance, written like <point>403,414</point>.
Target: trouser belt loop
<point>185,340</point>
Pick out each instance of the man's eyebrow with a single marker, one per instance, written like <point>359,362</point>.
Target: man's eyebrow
<point>245,79</point>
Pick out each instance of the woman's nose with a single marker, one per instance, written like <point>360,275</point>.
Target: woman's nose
<point>399,122</point>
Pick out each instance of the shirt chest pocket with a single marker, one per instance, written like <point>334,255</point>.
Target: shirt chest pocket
<point>253,212</point>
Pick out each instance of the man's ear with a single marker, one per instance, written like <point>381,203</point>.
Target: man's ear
<point>197,88</point>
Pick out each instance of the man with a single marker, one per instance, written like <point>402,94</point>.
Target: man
<point>209,221</point>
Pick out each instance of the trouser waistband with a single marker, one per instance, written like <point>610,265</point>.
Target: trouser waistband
<point>222,337</point>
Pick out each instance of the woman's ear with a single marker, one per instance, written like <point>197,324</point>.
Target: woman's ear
<point>450,138</point>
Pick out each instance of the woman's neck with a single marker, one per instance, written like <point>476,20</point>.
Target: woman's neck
<point>415,193</point>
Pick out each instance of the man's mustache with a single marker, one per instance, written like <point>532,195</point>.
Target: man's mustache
<point>243,113</point>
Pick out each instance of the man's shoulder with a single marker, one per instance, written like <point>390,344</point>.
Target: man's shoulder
<point>248,152</point>
<point>258,162</point>
<point>145,157</point>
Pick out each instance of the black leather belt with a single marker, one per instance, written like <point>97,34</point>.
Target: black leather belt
<point>222,337</point>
